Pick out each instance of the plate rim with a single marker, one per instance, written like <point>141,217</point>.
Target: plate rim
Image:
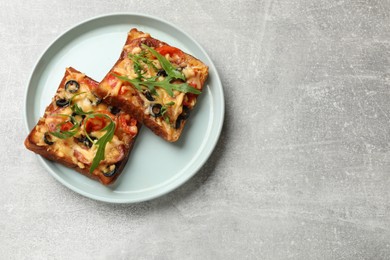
<point>176,183</point>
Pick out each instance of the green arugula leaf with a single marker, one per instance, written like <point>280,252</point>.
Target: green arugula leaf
<point>165,84</point>
<point>135,82</point>
<point>71,99</point>
<point>66,134</point>
<point>137,66</point>
<point>102,142</point>
<point>186,88</point>
<point>63,134</point>
<point>79,111</point>
<point>138,59</point>
<point>151,83</point>
<point>165,64</point>
<point>164,110</point>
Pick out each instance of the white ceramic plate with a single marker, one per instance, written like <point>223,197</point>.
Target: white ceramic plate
<point>155,167</point>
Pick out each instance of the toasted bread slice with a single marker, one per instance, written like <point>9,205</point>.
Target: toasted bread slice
<point>156,83</point>
<point>80,131</point>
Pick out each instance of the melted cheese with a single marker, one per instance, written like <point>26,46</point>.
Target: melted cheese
<point>70,148</point>
<point>136,50</point>
<point>188,72</point>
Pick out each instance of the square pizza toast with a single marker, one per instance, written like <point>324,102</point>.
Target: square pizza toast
<point>82,132</point>
<point>156,83</point>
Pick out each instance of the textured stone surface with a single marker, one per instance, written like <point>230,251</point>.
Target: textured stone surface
<point>302,167</point>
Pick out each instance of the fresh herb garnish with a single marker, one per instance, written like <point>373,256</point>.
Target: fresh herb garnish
<point>137,66</point>
<point>165,84</point>
<point>138,59</point>
<point>102,142</point>
<point>165,64</point>
<point>79,111</point>
<point>67,133</point>
<point>75,95</point>
<point>151,83</point>
<point>164,110</point>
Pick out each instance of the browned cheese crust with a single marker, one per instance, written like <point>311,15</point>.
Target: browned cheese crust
<point>76,152</point>
<point>177,107</point>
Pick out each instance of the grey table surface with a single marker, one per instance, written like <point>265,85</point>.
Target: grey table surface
<point>301,170</point>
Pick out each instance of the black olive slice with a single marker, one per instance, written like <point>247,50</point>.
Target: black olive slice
<point>186,112</point>
<point>85,140</point>
<point>148,96</point>
<point>155,110</point>
<point>63,102</point>
<point>183,116</point>
<point>161,73</point>
<point>73,120</point>
<point>72,86</point>
<point>96,101</point>
<point>47,138</point>
<point>110,171</point>
<point>114,110</point>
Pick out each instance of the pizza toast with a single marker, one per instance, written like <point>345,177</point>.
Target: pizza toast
<point>80,131</point>
<point>156,83</point>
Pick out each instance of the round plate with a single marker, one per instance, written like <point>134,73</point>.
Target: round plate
<point>155,167</point>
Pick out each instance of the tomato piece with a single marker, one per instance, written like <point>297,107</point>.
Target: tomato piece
<point>95,123</point>
<point>66,126</point>
<point>112,80</point>
<point>166,49</point>
<point>128,124</point>
<point>193,84</point>
<point>123,90</point>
